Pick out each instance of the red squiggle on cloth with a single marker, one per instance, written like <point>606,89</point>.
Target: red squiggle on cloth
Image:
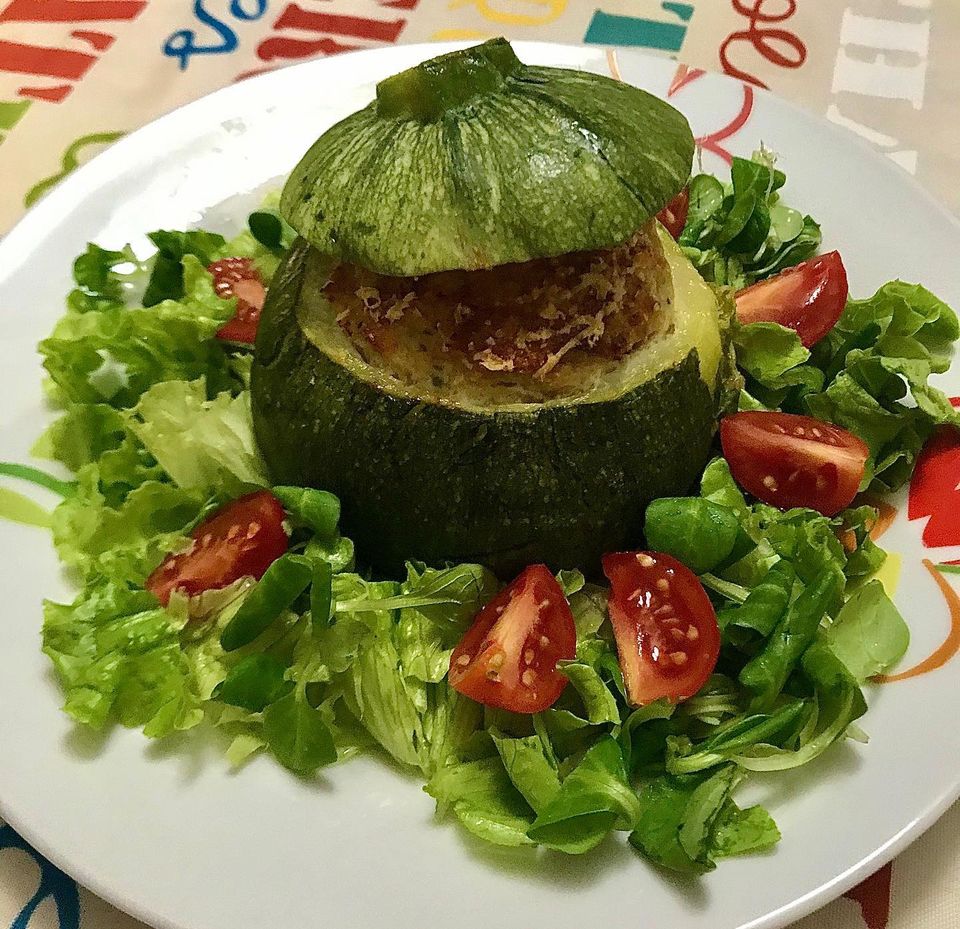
<point>873,895</point>
<point>778,45</point>
<point>711,142</point>
<point>684,75</point>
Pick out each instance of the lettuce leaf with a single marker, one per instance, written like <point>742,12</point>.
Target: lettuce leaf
<point>741,232</point>
<point>117,655</point>
<point>484,800</point>
<point>296,734</point>
<point>113,355</point>
<point>594,798</point>
<point>123,542</point>
<point>167,274</point>
<point>870,374</point>
<point>743,832</point>
<point>869,635</point>
<point>204,445</point>
<point>529,768</point>
<point>681,818</point>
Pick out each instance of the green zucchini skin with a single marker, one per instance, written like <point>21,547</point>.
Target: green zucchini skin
<point>417,480</point>
<point>548,162</point>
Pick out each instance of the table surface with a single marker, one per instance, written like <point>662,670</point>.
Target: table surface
<point>75,75</point>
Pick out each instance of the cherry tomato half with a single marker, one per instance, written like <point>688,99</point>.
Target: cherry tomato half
<point>666,629</point>
<point>508,657</point>
<point>808,298</point>
<point>673,217</point>
<point>242,539</point>
<point>238,277</point>
<point>787,460</point>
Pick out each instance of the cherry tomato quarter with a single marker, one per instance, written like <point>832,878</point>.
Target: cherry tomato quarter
<point>788,460</point>
<point>673,217</point>
<point>238,277</point>
<point>242,539</point>
<point>808,298</point>
<point>508,657</point>
<point>665,626</point>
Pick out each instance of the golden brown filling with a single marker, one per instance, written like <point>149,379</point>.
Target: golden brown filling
<point>523,319</point>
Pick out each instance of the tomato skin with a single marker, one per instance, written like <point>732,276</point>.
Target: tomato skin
<point>666,629</point>
<point>673,217</point>
<point>788,460</point>
<point>508,657</point>
<point>242,539</point>
<point>808,298</point>
<point>238,277</point>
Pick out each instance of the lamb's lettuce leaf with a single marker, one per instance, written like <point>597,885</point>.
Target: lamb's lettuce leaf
<point>741,232</point>
<point>594,798</point>
<point>869,635</point>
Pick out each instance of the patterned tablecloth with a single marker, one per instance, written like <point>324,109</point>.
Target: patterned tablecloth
<point>75,75</point>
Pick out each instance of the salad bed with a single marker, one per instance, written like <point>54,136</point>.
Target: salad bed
<point>296,653</point>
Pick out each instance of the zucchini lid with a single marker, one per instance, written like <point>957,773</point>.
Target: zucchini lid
<point>473,160</point>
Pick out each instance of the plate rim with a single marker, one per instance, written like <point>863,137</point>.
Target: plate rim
<point>59,201</point>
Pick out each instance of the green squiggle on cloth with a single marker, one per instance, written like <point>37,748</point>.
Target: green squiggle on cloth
<point>70,162</point>
<point>11,112</point>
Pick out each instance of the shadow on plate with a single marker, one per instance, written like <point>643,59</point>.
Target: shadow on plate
<point>776,789</point>
<point>576,872</point>
<point>85,743</point>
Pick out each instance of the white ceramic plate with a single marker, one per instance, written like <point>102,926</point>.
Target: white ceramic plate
<point>167,833</point>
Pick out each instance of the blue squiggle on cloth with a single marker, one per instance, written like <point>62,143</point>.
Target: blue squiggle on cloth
<point>53,883</point>
<point>182,44</point>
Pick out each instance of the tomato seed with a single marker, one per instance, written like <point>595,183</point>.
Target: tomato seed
<point>528,656</point>
<point>770,482</point>
<point>678,658</point>
<point>463,661</point>
<point>528,677</point>
<point>692,633</point>
<point>645,560</point>
<point>664,585</point>
<point>677,633</point>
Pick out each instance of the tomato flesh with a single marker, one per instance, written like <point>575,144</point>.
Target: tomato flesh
<point>808,298</point>
<point>242,539</point>
<point>787,460</point>
<point>673,217</point>
<point>508,657</point>
<point>666,629</point>
<point>238,277</point>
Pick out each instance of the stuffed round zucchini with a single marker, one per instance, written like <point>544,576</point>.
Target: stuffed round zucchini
<point>483,342</point>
